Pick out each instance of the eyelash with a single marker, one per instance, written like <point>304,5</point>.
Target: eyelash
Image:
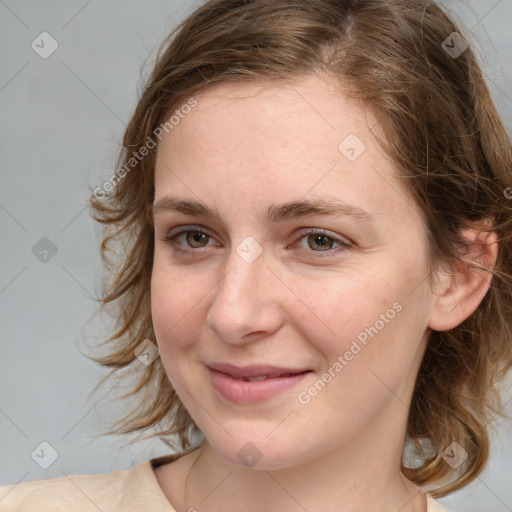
<point>344,245</point>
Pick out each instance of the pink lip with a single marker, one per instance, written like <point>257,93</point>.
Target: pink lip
<point>244,392</point>
<point>253,371</point>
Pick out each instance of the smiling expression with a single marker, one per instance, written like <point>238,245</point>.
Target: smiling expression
<point>275,246</point>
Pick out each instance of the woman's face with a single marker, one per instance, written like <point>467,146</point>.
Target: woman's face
<point>340,296</point>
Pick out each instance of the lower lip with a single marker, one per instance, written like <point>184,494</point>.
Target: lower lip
<point>245,392</point>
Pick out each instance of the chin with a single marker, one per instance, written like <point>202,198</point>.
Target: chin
<point>254,452</point>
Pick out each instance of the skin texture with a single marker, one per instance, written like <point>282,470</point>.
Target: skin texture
<point>301,303</point>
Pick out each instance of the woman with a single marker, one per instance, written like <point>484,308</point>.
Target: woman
<point>313,202</point>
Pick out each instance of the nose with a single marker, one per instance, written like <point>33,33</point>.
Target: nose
<point>246,305</point>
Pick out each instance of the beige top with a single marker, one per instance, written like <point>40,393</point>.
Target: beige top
<point>134,490</point>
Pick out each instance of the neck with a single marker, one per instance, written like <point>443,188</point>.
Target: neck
<point>361,475</point>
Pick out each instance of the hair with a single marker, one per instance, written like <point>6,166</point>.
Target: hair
<point>443,133</point>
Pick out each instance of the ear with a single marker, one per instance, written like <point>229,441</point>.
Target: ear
<point>461,291</point>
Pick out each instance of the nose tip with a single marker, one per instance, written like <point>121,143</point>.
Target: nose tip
<point>243,308</point>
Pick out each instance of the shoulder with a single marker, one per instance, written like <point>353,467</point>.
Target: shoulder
<point>70,492</point>
<point>136,490</point>
<point>73,492</point>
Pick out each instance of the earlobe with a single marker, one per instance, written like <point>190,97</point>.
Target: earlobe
<point>461,292</point>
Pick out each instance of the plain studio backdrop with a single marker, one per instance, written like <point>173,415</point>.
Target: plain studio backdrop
<point>64,107</point>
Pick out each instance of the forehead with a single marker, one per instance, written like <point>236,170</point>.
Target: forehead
<point>279,141</point>
<point>277,112</point>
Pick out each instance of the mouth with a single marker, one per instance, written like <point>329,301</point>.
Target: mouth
<point>253,383</point>
<point>265,377</point>
<point>255,372</point>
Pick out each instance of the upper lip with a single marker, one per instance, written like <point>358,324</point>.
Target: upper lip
<point>253,371</point>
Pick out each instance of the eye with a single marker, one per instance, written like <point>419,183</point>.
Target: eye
<point>317,240</point>
<point>196,238</point>
<point>320,240</point>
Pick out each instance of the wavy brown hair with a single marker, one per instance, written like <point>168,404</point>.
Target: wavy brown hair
<point>449,146</point>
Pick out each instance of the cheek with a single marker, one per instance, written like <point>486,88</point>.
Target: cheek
<point>369,320</point>
<point>175,306</point>
<point>338,310</point>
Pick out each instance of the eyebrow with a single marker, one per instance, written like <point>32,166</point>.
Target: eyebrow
<point>275,212</point>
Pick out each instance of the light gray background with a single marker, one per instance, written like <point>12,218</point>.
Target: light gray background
<point>62,119</point>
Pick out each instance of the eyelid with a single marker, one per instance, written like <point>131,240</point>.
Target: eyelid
<point>186,228</point>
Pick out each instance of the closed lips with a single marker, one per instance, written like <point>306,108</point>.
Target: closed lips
<point>255,372</point>
<point>250,384</point>
<point>264,377</point>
